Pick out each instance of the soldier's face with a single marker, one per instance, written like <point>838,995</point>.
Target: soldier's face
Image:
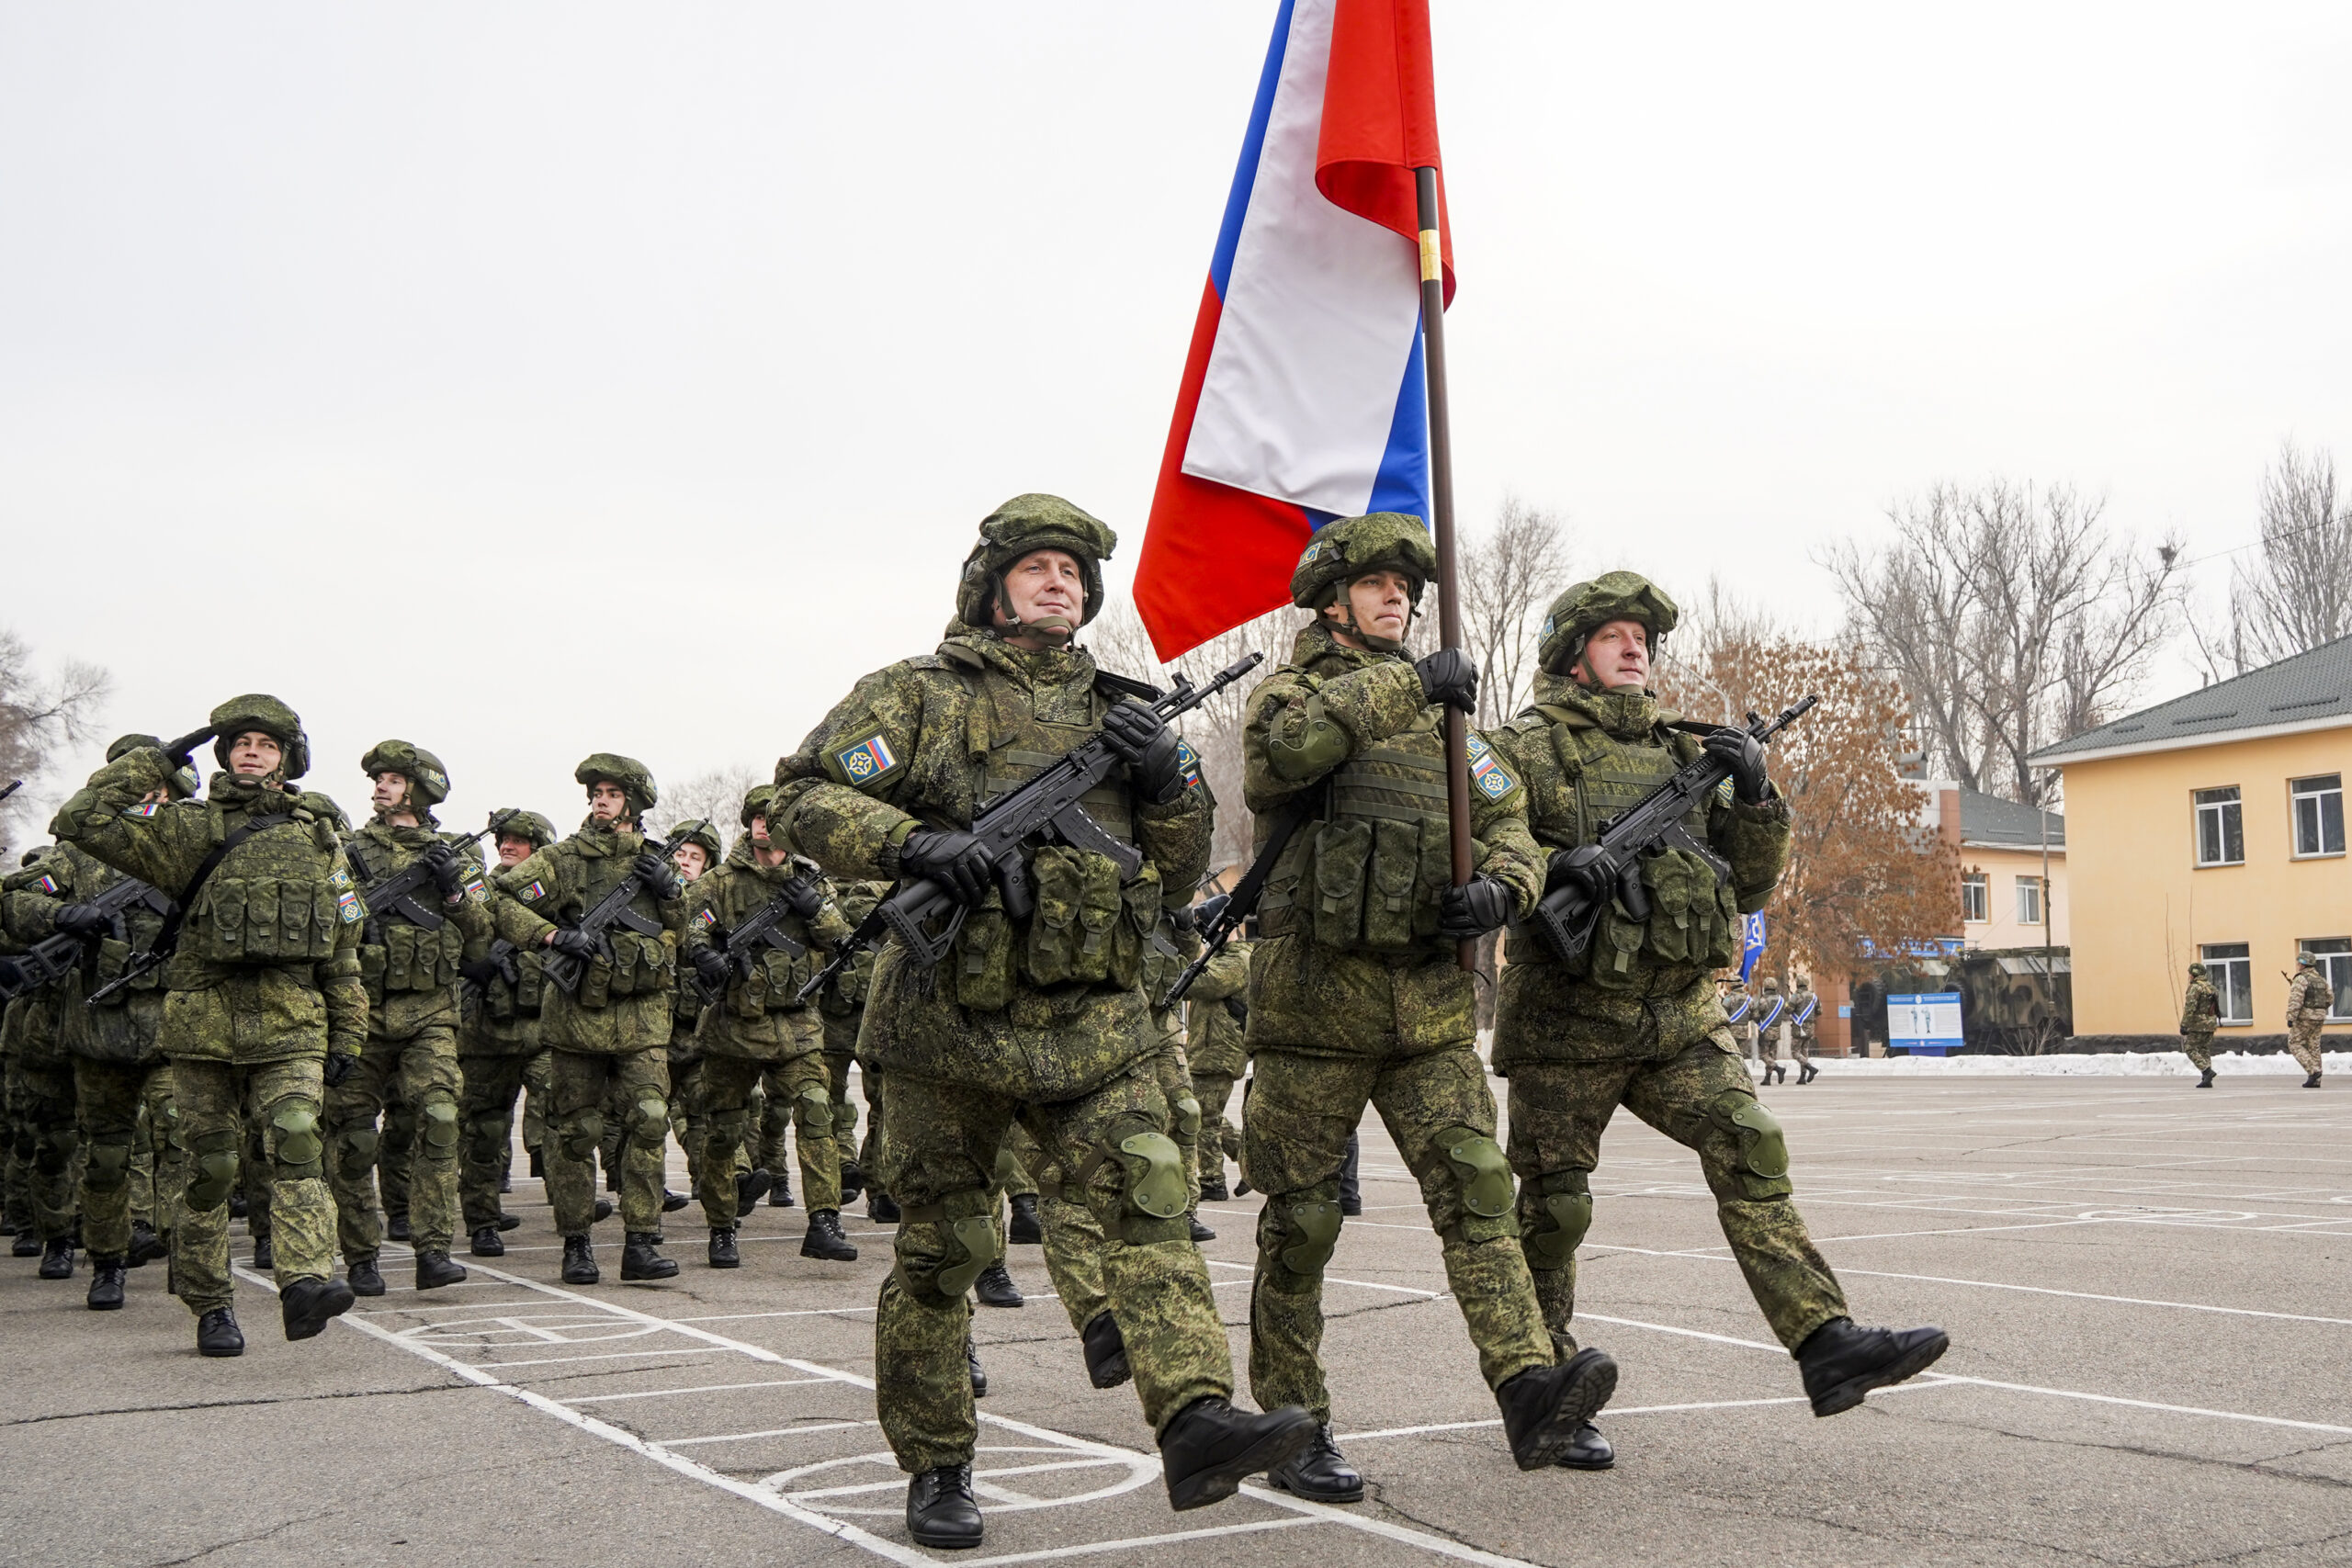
<point>1044,585</point>
<point>691,858</point>
<point>391,789</point>
<point>608,802</point>
<point>1382,603</point>
<point>1616,656</point>
<point>758,830</point>
<point>253,755</point>
<point>513,852</point>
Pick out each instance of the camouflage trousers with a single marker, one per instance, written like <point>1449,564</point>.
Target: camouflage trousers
<point>940,1143</point>
<point>1295,1134</point>
<point>285,1097</point>
<point>539,1079</point>
<point>47,1141</point>
<point>580,1086</point>
<point>869,1148</point>
<point>801,1087</point>
<point>1073,1244</point>
<point>2302,1039</point>
<point>1703,1100</point>
<point>1219,1139</point>
<point>689,1115</point>
<point>488,1088</point>
<point>2199,1048</point>
<point>422,1073</point>
<point>125,1110</point>
<point>780,1115</point>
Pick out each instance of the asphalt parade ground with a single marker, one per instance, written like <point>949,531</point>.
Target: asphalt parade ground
<point>2148,1290</point>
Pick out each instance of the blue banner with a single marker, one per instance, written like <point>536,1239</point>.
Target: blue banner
<point>1751,947</point>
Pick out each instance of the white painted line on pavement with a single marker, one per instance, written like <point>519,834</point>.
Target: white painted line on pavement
<point>771,1432</point>
<point>2141,1404</point>
<point>567,1361</point>
<point>699,1388</point>
<point>1371,1526</point>
<point>747,1317</point>
<point>1335,1280</point>
<point>1170,1538</point>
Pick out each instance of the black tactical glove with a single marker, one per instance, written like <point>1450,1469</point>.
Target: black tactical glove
<point>1449,676</point>
<point>657,874</point>
<point>712,965</point>
<point>1210,908</point>
<point>1480,905</point>
<point>1238,1010</point>
<point>800,897</point>
<point>1744,755</point>
<point>579,944</point>
<point>1185,918</point>
<point>339,1066</point>
<point>448,871</point>
<point>81,919</point>
<point>1143,741</point>
<point>957,862</point>
<point>480,971</point>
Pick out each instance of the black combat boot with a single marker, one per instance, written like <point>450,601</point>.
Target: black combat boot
<point>486,1242</point>
<point>995,1287</point>
<point>510,1222</point>
<point>1350,1178</point>
<point>396,1226</point>
<point>505,1182</point>
<point>1841,1362</point>
<point>1201,1233</point>
<point>1319,1472</point>
<point>579,1261</point>
<point>1211,1447</point>
<point>2207,1081</point>
<point>972,1364</point>
<point>1213,1188</point>
<point>880,1207</point>
<point>1106,1351</point>
<point>306,1303</point>
<point>366,1278</point>
<point>639,1261</point>
<point>723,1251</point>
<point>1543,1407</point>
<point>825,1239</point>
<point>538,1166</point>
<point>107,1276</point>
<point>1021,1225</point>
<point>265,1255</point>
<point>1588,1451</point>
<point>673,1201</point>
<point>2311,1082</point>
<point>56,1258</point>
<point>27,1245</point>
<point>940,1510</point>
<point>751,1186</point>
<point>602,1210</point>
<point>433,1269</point>
<point>852,1182</point>
<point>237,1207</point>
<point>780,1195</point>
<point>217,1333</point>
<point>146,1245</point>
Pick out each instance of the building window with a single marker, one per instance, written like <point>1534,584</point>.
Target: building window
<point>2028,900</point>
<point>2220,831</point>
<point>1976,897</point>
<point>2319,814</point>
<point>2334,955</point>
<point>2228,965</point>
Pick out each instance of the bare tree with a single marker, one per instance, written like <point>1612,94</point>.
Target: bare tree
<point>1506,577</point>
<point>2012,619</point>
<point>2299,595</point>
<point>41,714</point>
<point>1713,624</point>
<point>716,796</point>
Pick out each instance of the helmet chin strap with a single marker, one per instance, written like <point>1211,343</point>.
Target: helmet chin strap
<point>1374,640</point>
<point>1056,630</point>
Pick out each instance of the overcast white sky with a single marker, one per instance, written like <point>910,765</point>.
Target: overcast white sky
<point>530,379</point>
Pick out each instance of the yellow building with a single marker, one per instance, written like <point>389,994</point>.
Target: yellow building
<point>2213,827</point>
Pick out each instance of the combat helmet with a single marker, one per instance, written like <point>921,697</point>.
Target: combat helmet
<point>1343,551</point>
<point>527,826</point>
<point>635,779</point>
<point>700,832</point>
<point>756,802</point>
<point>2197,969</point>
<point>428,782</point>
<point>1771,983</point>
<point>2306,959</point>
<point>1585,607</point>
<point>1024,523</point>
<point>184,781</point>
<point>258,710</point>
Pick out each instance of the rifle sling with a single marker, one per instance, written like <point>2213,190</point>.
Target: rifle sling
<point>167,940</point>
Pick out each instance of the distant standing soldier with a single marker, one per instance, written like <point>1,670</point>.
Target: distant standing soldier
<point>2201,1015</point>
<point>1804,1029</point>
<point>499,1036</point>
<point>2309,998</point>
<point>1739,1007</point>
<point>1771,1011</point>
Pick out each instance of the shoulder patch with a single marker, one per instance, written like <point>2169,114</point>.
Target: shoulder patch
<point>1488,776</point>
<point>348,907</point>
<point>144,808</point>
<point>707,919</point>
<point>532,890</point>
<point>339,876</point>
<point>1188,763</point>
<point>863,762</point>
<point>46,882</point>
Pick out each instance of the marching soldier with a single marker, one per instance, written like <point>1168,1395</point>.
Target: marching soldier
<point>48,1138</point>
<point>1215,1010</point>
<point>2201,1015</point>
<point>1739,1008</point>
<point>1771,1011</point>
<point>496,1040</point>
<point>1804,1007</point>
<point>2310,999</point>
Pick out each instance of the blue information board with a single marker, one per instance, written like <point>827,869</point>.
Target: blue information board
<point>1926,1023</point>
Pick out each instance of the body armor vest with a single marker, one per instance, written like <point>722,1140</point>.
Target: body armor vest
<point>278,897</point>
<point>640,963</point>
<point>1368,874</point>
<point>521,999</point>
<point>405,957</point>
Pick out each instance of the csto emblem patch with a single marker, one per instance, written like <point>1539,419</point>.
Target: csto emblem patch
<point>348,907</point>
<point>706,919</point>
<point>1188,763</point>
<point>869,759</point>
<point>535,890</point>
<point>144,808</point>
<point>1487,775</point>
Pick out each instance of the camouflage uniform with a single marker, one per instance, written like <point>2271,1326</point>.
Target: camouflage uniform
<point>1772,1015</point>
<point>613,1033</point>
<point>1354,998</point>
<point>1635,1019</point>
<point>264,987</point>
<point>1215,1009</point>
<point>2201,1015</point>
<point>1739,1009</point>
<point>497,1038</point>
<point>842,1006</point>
<point>1805,1028</point>
<point>1041,1020</point>
<point>411,970</point>
<point>40,1091</point>
<point>2309,998</point>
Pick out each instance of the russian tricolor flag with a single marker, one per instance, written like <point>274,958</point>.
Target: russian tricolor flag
<point>1303,398</point>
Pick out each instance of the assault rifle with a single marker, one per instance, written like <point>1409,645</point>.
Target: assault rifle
<point>1237,907</point>
<point>395,893</point>
<point>1584,879</point>
<point>741,946</point>
<point>925,917</point>
<point>610,910</point>
<point>54,957</point>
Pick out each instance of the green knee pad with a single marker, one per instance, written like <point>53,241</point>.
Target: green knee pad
<point>1763,1167</point>
<point>110,1166</point>
<point>1479,1171</point>
<point>1187,1118</point>
<point>360,1141</point>
<point>486,1138</point>
<point>844,1119</point>
<point>649,1121</point>
<point>437,1121</point>
<point>965,1222</point>
<point>1153,1195</point>
<point>299,1146</point>
<point>582,1135</point>
<point>812,1111</point>
<point>1315,1223</point>
<point>56,1150</point>
<point>1555,1212</point>
<point>212,1169</point>
<point>730,1129</point>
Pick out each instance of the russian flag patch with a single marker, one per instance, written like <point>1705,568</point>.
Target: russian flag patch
<point>1487,776</point>
<point>1188,763</point>
<point>533,891</point>
<point>348,907</point>
<point>46,882</point>
<point>707,919</point>
<point>868,761</point>
<point>144,808</point>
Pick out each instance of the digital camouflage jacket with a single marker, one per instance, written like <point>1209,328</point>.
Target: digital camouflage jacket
<point>121,1028</point>
<point>412,973</point>
<point>1212,1034</point>
<point>624,1002</point>
<point>760,1017</point>
<point>2200,1010</point>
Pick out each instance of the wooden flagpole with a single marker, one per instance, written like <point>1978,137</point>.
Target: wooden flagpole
<point>1449,604</point>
